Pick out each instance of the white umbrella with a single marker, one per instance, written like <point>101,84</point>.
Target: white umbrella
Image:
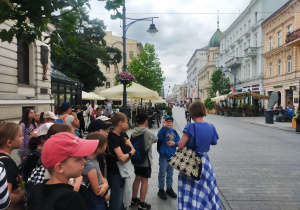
<point>91,96</point>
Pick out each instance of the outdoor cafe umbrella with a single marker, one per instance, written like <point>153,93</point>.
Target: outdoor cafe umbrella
<point>91,96</point>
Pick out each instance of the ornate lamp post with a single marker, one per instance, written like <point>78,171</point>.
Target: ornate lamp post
<point>152,30</point>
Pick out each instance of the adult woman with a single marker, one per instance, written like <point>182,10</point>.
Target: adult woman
<point>28,125</point>
<point>202,194</point>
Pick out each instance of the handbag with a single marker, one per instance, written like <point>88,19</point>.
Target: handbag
<point>187,161</point>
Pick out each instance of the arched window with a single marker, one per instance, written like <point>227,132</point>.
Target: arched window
<point>23,62</point>
<point>289,64</point>
<point>279,67</point>
<point>271,70</point>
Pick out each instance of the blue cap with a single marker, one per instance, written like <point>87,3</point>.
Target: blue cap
<point>66,105</point>
<point>168,117</point>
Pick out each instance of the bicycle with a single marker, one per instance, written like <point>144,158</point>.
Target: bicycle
<point>188,117</point>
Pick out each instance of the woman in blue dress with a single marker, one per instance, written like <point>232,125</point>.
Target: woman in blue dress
<point>201,194</point>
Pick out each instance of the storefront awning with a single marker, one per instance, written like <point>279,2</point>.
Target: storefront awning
<point>238,96</point>
<point>259,96</point>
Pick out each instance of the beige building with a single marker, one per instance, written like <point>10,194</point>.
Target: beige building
<point>205,73</point>
<point>21,78</point>
<point>282,51</point>
<point>133,48</point>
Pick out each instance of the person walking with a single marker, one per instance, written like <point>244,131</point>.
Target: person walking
<point>198,136</point>
<point>108,109</point>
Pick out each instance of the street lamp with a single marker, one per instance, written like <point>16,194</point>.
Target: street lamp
<point>164,90</point>
<point>152,30</point>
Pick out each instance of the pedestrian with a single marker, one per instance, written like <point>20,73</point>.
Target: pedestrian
<point>63,155</point>
<point>4,194</point>
<point>142,170</point>
<point>92,110</point>
<point>28,125</point>
<point>69,117</point>
<point>98,185</point>
<point>108,109</point>
<point>10,139</point>
<point>203,193</point>
<point>78,111</point>
<point>49,117</point>
<point>98,112</point>
<point>119,150</point>
<point>42,120</point>
<point>167,142</point>
<point>37,118</point>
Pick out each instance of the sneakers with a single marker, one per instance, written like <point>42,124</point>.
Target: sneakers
<point>162,194</point>
<point>171,193</point>
<point>144,206</point>
<point>134,201</point>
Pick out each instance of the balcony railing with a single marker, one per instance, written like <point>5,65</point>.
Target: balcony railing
<point>290,37</point>
<point>234,61</point>
<point>251,52</point>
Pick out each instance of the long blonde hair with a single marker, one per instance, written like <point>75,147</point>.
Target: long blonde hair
<point>8,131</point>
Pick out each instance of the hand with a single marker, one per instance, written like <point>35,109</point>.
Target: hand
<point>164,123</point>
<point>171,143</point>
<point>78,179</point>
<point>74,114</point>
<point>107,197</point>
<point>123,158</point>
<point>102,189</point>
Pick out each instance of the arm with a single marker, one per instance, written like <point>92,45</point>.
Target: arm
<point>77,183</point>
<point>75,122</point>
<point>22,149</point>
<point>93,179</point>
<point>121,156</point>
<point>17,195</point>
<point>176,140</point>
<point>184,139</point>
<point>104,186</point>
<point>161,133</point>
<point>108,112</point>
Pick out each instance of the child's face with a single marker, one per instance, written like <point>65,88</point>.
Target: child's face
<point>17,141</point>
<point>31,115</point>
<point>73,167</point>
<point>169,124</point>
<point>124,125</point>
<point>102,149</point>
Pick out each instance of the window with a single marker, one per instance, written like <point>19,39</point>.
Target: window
<point>254,68</point>
<point>271,43</point>
<point>290,28</point>
<point>107,85</point>
<point>23,62</point>
<point>279,37</point>
<point>255,17</point>
<point>279,67</point>
<point>130,54</point>
<point>271,70</point>
<point>255,40</point>
<point>107,70</point>
<point>289,64</point>
<point>116,68</point>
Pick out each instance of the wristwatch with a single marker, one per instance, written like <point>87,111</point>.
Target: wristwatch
<point>130,155</point>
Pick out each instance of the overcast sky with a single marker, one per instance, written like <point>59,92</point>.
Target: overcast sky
<point>183,27</point>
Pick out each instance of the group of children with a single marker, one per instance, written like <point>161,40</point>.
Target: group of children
<point>62,171</point>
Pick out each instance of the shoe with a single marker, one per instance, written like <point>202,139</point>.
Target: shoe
<point>162,194</point>
<point>171,193</point>
<point>144,206</point>
<point>134,201</point>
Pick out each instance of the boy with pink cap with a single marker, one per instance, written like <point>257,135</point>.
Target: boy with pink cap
<point>63,156</point>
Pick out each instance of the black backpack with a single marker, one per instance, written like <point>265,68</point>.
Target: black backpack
<point>159,142</point>
<point>141,154</point>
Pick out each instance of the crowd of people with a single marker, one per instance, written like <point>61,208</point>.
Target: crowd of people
<point>60,169</point>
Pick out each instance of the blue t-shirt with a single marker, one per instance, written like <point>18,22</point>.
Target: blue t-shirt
<point>164,135</point>
<point>206,135</point>
<point>107,107</point>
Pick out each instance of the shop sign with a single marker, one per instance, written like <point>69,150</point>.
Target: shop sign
<point>277,86</point>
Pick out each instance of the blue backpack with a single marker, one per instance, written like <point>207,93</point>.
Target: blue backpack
<point>141,154</point>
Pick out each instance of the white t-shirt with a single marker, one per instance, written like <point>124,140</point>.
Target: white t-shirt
<point>68,120</point>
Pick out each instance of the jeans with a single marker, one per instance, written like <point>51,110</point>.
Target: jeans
<point>116,184</point>
<point>163,168</point>
<point>94,201</point>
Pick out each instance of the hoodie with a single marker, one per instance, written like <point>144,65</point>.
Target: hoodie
<point>165,150</point>
<point>149,139</point>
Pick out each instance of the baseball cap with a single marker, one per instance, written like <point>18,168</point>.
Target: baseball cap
<point>63,145</point>
<point>66,105</point>
<point>141,117</point>
<point>97,125</point>
<point>51,115</point>
<point>168,117</point>
<point>106,100</point>
<point>43,129</point>
<point>103,118</point>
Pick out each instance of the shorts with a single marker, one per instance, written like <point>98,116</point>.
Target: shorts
<point>143,171</point>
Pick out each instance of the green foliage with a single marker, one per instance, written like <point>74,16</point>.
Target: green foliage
<point>219,83</point>
<point>146,69</point>
<point>78,46</point>
<point>297,117</point>
<point>209,104</point>
<point>32,17</point>
<point>169,110</point>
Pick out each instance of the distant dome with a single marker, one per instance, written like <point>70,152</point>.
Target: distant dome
<point>214,41</point>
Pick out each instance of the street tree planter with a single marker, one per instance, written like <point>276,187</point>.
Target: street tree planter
<point>214,111</point>
<point>294,123</point>
<point>297,127</point>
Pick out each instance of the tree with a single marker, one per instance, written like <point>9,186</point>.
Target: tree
<point>78,47</point>
<point>32,17</point>
<point>146,69</point>
<point>219,83</point>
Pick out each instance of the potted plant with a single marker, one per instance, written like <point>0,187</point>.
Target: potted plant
<point>125,77</point>
<point>297,119</point>
<point>227,111</point>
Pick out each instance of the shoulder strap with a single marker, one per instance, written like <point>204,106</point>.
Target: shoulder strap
<point>64,117</point>
<point>175,132</point>
<point>3,157</point>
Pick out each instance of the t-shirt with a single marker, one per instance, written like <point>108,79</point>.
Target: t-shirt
<point>115,141</point>
<point>4,195</point>
<point>11,168</point>
<point>26,132</point>
<point>68,120</point>
<point>206,135</point>
<point>107,107</point>
<point>70,200</point>
<point>90,165</point>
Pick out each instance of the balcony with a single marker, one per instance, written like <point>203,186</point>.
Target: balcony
<point>234,61</point>
<point>251,52</point>
<point>293,39</point>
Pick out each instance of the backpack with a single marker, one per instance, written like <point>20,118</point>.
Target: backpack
<point>138,144</point>
<point>61,119</point>
<point>21,168</point>
<point>159,142</point>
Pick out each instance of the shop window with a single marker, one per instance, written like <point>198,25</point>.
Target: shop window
<point>288,96</point>
<point>23,62</point>
<point>289,64</point>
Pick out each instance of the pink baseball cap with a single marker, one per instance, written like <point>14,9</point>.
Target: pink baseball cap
<point>63,145</point>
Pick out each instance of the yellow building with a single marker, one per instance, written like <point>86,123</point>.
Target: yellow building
<point>282,64</point>
<point>133,48</point>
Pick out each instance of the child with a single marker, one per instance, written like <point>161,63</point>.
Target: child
<point>10,139</point>
<point>4,195</point>
<point>119,149</point>
<point>63,156</point>
<point>168,139</point>
<point>98,185</point>
<point>143,170</point>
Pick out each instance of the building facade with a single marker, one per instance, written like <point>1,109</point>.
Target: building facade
<point>133,49</point>
<point>282,51</point>
<point>242,47</point>
<point>25,80</point>
<point>176,93</point>
<point>196,62</point>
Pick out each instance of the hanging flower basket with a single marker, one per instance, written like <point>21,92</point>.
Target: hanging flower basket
<point>125,77</point>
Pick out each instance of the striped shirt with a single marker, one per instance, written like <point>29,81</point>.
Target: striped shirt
<point>4,194</point>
